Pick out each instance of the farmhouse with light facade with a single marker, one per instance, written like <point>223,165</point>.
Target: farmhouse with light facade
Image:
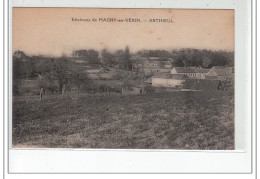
<point>220,73</point>
<point>168,80</point>
<point>152,64</point>
<point>214,73</point>
<point>191,72</point>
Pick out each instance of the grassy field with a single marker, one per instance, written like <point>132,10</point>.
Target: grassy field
<point>176,120</point>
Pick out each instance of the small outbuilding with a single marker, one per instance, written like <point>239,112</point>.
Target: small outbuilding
<point>191,72</point>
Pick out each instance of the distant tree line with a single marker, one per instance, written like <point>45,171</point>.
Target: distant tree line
<point>193,57</point>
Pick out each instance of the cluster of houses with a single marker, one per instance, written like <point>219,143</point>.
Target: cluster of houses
<point>153,71</point>
<point>193,78</point>
<point>185,78</point>
<point>148,65</point>
<point>162,74</point>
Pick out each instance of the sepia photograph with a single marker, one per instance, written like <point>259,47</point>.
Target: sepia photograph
<point>100,78</point>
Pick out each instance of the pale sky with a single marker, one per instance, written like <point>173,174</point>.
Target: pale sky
<point>51,31</point>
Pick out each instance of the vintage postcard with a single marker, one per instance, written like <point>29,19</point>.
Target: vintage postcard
<point>96,78</point>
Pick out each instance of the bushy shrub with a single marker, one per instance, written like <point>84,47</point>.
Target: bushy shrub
<point>226,85</point>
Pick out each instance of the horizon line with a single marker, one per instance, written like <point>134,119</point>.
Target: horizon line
<point>114,50</point>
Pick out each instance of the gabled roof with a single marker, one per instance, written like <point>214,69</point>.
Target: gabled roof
<point>211,73</point>
<point>162,75</point>
<point>191,70</point>
<point>220,72</point>
<point>171,76</point>
<point>179,76</point>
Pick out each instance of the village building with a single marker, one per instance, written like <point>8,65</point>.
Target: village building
<point>211,76</point>
<point>156,70</point>
<point>200,85</point>
<point>149,65</point>
<point>220,73</point>
<point>97,72</point>
<point>167,64</point>
<point>148,81</point>
<point>79,54</point>
<point>191,72</point>
<point>107,73</point>
<point>80,62</point>
<point>92,72</point>
<point>168,80</point>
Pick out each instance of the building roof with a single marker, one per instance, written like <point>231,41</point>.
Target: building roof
<point>152,61</point>
<point>166,62</point>
<point>219,67</point>
<point>220,72</point>
<point>162,75</point>
<point>138,58</point>
<point>170,76</point>
<point>200,84</point>
<point>191,70</point>
<point>149,80</point>
<point>179,76</point>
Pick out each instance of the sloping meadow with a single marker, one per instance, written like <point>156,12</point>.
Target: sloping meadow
<point>176,120</point>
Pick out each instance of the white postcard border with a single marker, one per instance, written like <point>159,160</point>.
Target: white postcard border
<point>150,161</point>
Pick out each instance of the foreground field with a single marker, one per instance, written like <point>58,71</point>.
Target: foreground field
<point>176,120</point>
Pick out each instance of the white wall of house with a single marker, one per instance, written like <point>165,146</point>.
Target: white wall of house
<point>93,76</point>
<point>166,82</point>
<point>190,75</point>
<point>196,75</point>
<point>92,71</point>
<point>162,70</point>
